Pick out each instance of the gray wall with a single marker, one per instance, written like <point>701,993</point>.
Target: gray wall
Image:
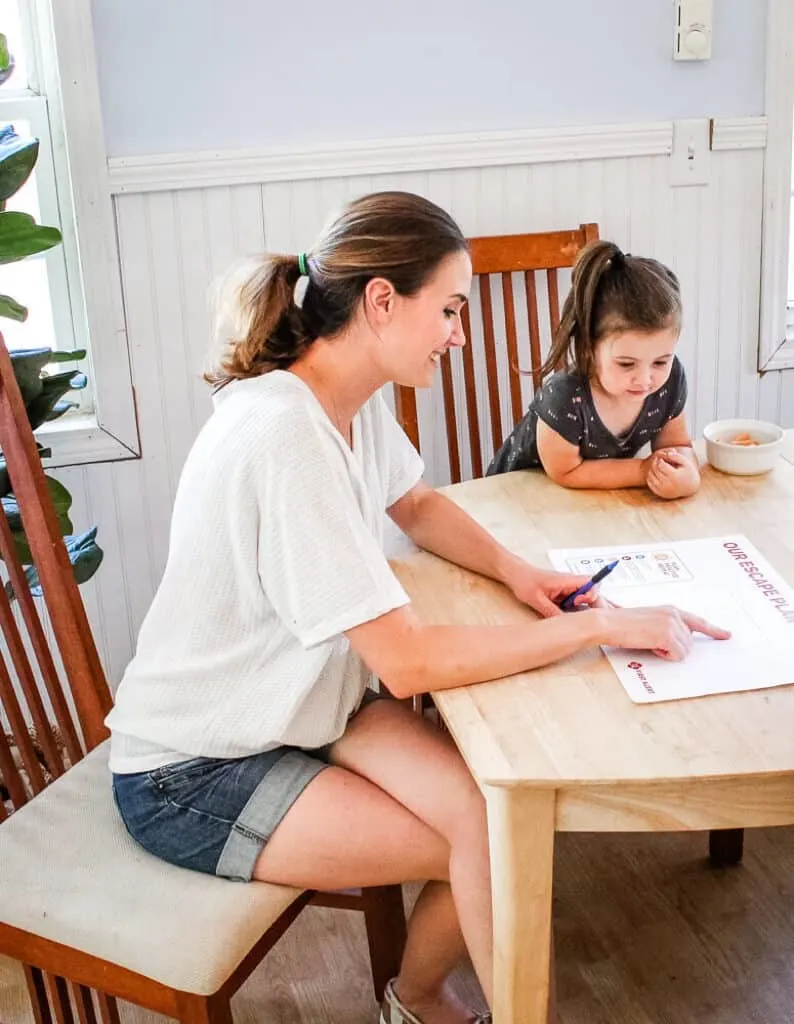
<point>184,75</point>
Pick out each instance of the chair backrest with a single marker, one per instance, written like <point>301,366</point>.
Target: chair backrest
<point>48,718</point>
<point>517,259</point>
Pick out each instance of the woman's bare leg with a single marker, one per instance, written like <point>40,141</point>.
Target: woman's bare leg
<point>348,829</point>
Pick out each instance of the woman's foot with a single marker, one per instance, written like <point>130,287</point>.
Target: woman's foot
<point>443,1008</point>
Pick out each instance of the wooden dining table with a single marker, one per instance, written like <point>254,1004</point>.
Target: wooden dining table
<point>563,748</point>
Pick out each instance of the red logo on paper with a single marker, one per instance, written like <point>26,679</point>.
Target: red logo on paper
<point>636,666</point>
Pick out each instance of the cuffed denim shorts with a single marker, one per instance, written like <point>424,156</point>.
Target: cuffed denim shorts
<point>216,815</point>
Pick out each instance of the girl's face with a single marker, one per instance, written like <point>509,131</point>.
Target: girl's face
<point>630,365</point>
<point>416,331</point>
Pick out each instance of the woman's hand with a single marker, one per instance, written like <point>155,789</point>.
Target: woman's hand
<point>671,474</point>
<point>667,631</point>
<point>544,590</point>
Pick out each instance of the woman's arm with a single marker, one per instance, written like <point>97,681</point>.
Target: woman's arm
<point>564,464</point>
<point>410,657</point>
<point>437,524</point>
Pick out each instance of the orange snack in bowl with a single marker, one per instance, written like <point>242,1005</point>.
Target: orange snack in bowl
<point>745,441</point>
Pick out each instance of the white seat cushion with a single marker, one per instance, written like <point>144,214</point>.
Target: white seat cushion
<point>72,874</point>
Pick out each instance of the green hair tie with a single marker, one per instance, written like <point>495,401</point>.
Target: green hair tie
<point>302,268</point>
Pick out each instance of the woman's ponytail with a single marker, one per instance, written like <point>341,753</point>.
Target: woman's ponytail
<point>258,325</point>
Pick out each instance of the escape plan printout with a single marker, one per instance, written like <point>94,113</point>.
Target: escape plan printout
<point>722,579</point>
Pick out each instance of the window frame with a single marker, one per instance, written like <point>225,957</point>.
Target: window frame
<point>63,71</point>
<point>776,334</point>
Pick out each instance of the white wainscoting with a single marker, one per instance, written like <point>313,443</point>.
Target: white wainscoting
<point>173,241</point>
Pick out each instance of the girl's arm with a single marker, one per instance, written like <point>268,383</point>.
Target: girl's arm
<point>674,471</point>
<point>675,434</point>
<point>563,462</point>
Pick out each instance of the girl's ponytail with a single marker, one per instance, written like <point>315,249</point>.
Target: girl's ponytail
<point>611,291</point>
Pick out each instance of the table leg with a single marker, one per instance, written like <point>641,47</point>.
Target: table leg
<point>521,836</point>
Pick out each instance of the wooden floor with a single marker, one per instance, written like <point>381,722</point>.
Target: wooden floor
<point>646,933</point>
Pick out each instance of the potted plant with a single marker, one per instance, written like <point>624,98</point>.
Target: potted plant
<point>42,386</point>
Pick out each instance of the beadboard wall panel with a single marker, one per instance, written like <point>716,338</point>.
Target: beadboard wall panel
<point>174,244</point>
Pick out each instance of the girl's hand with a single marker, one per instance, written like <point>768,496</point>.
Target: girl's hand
<point>671,474</point>
<point>544,589</point>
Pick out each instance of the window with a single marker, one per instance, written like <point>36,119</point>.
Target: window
<point>776,347</point>
<point>73,291</point>
<point>790,296</point>
<point>39,282</point>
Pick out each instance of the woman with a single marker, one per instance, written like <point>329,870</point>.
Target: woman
<point>242,745</point>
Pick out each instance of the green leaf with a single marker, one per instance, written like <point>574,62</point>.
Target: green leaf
<point>28,364</point>
<point>59,409</point>
<point>52,390</point>
<point>6,60</point>
<point>62,356</point>
<point>84,554</point>
<point>61,498</point>
<point>17,159</point>
<point>12,310</point>
<point>21,236</point>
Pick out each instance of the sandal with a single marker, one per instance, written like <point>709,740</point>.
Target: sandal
<point>392,1010</point>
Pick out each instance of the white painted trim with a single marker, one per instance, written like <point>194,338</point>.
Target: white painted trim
<point>388,156</point>
<point>775,349</point>
<point>738,133</point>
<point>165,172</point>
<point>76,439</point>
<point>68,78</point>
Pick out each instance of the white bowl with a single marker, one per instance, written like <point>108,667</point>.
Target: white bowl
<point>742,460</point>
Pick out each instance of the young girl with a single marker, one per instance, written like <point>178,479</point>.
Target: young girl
<point>620,386</point>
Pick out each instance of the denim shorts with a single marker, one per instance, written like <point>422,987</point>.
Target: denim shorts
<point>216,815</point>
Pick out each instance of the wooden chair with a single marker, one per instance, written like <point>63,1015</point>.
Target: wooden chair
<point>505,256</point>
<point>88,913</point>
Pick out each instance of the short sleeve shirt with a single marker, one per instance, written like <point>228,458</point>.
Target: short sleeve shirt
<point>276,551</point>
<point>565,403</point>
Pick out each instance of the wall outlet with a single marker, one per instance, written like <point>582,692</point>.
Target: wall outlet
<point>690,159</point>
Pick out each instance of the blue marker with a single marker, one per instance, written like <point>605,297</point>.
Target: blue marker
<point>568,604</point>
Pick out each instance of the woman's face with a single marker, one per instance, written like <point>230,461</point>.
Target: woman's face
<point>421,328</point>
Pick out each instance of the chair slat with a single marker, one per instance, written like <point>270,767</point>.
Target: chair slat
<point>516,403</point>
<point>108,1009</point>
<point>491,369</point>
<point>471,398</point>
<point>38,641</point>
<point>9,775</point>
<point>554,300</point>
<point>19,730</point>
<point>81,997</point>
<point>34,979</point>
<point>448,386</point>
<point>505,255</point>
<point>407,413</point>
<point>81,663</point>
<point>534,328</point>
<point>58,995</point>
